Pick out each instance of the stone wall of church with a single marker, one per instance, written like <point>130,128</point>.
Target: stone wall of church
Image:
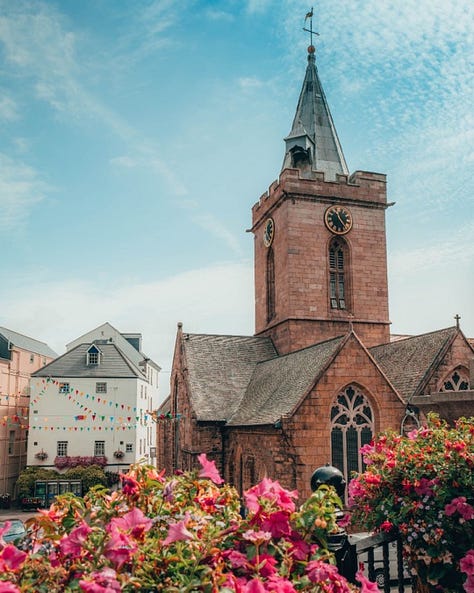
<point>253,453</point>
<point>303,313</point>
<point>459,354</point>
<point>290,454</point>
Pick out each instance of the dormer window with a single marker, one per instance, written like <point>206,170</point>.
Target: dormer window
<point>93,356</point>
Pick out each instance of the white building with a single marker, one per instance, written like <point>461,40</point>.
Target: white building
<point>95,401</point>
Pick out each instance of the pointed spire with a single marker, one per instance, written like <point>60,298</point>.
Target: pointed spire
<point>313,142</point>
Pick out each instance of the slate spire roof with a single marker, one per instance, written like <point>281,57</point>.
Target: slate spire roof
<point>313,128</point>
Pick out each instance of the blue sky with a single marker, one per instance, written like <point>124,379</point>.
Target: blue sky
<point>136,136</point>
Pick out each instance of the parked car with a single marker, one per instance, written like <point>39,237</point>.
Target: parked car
<point>16,531</point>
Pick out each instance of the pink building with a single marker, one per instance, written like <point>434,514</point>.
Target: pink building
<point>19,357</point>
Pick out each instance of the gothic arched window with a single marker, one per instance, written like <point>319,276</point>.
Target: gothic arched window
<point>338,274</point>
<point>270,284</point>
<point>457,380</point>
<point>352,426</point>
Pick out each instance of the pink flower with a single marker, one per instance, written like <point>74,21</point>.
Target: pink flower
<point>467,563</point>
<point>236,558</point>
<point>134,522</point>
<point>278,584</point>
<point>11,558</point>
<point>257,537</point>
<point>119,548</point>
<point>270,490</point>
<point>177,532</point>
<point>277,524</point>
<point>367,586</point>
<point>254,586</point>
<point>72,543</point>
<point>356,490</point>
<point>469,585</point>
<point>129,484</point>
<point>460,505</point>
<point>209,469</point>
<point>425,487</point>
<point>104,581</point>
<point>7,587</point>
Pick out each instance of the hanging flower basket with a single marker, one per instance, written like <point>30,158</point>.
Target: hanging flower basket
<point>119,454</point>
<point>41,455</point>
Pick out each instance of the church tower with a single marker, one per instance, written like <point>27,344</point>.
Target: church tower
<point>320,240</point>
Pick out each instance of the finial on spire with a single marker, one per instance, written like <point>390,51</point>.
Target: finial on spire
<point>309,15</point>
<point>457,317</point>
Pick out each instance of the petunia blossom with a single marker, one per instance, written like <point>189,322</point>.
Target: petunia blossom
<point>11,558</point>
<point>367,586</point>
<point>178,532</point>
<point>209,469</point>
<point>72,544</point>
<point>7,587</point>
<point>104,581</point>
<point>467,563</point>
<point>119,548</point>
<point>270,490</point>
<point>134,522</point>
<point>254,586</point>
<point>277,524</point>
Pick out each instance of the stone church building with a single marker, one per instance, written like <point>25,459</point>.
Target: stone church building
<point>322,374</point>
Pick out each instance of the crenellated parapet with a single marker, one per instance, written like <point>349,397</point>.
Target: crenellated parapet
<point>294,184</point>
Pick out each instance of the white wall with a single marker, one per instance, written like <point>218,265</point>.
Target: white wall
<point>110,417</point>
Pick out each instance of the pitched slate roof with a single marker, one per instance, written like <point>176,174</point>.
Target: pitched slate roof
<point>113,364</point>
<point>313,119</point>
<point>26,343</point>
<point>408,362</point>
<point>219,370</point>
<point>278,385</point>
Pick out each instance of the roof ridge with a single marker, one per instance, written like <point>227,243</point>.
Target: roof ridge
<point>414,337</point>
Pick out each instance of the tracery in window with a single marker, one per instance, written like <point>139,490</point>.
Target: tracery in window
<point>457,380</point>
<point>338,274</point>
<point>270,284</point>
<point>352,426</point>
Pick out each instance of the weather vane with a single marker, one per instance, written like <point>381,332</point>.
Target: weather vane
<point>309,15</point>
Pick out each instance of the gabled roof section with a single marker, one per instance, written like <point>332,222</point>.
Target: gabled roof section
<point>107,333</point>
<point>278,385</point>
<point>313,119</point>
<point>73,364</point>
<point>408,362</point>
<point>26,343</point>
<point>219,370</point>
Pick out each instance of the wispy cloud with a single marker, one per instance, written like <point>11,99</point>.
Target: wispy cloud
<point>219,15</point>
<point>214,299</point>
<point>21,188</point>
<point>256,6</point>
<point>8,108</point>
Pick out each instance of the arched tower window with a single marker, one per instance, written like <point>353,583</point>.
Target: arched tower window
<point>457,380</point>
<point>338,274</point>
<point>270,284</point>
<point>352,426</point>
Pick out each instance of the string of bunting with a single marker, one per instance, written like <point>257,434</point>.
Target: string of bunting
<point>71,393</point>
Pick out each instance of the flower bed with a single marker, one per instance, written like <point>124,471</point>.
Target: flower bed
<point>423,486</point>
<point>66,461</point>
<point>183,533</point>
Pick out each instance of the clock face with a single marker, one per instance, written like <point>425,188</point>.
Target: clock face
<point>338,220</point>
<point>269,232</point>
